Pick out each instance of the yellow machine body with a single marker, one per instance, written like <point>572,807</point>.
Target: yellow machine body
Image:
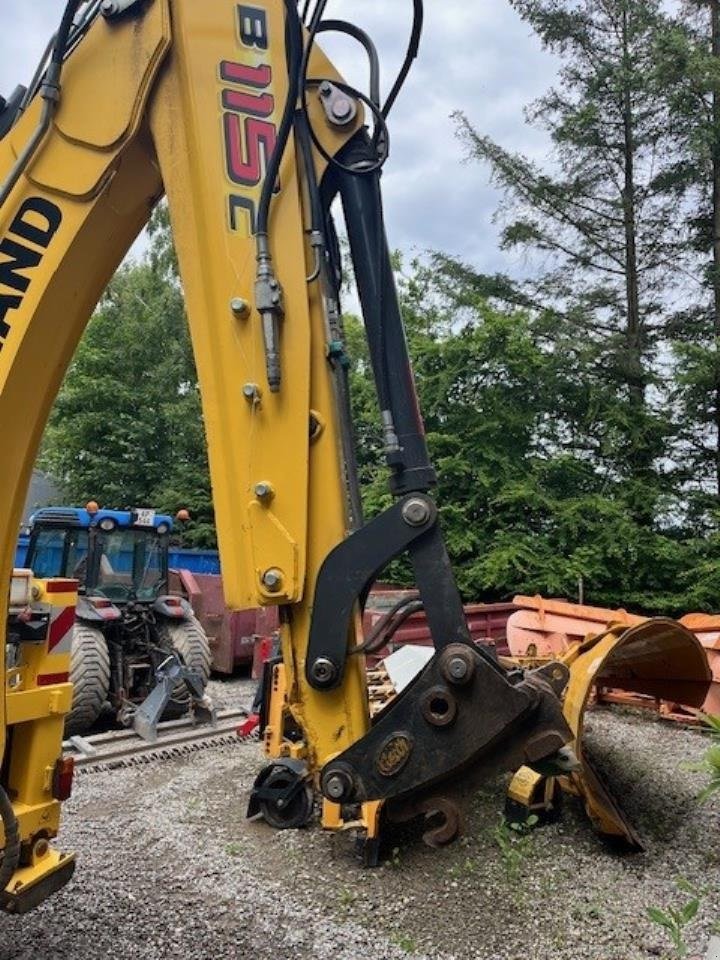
<point>38,694</point>
<point>188,100</point>
<point>149,106</point>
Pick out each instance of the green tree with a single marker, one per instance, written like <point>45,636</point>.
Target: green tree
<point>126,429</point>
<point>690,61</point>
<point>601,216</point>
<point>520,513</point>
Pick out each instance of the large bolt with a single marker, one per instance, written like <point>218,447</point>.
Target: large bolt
<point>458,668</point>
<point>416,512</point>
<point>264,490</point>
<point>457,664</point>
<point>335,788</point>
<point>338,785</point>
<point>324,672</point>
<point>240,307</point>
<point>252,392</point>
<point>342,109</point>
<point>272,579</point>
<point>108,8</point>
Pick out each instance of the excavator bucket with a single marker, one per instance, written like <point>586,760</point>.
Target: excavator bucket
<point>655,658</point>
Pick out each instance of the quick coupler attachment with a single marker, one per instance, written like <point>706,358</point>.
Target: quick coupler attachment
<point>462,720</point>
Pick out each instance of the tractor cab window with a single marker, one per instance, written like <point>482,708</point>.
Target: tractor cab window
<point>59,552</point>
<point>131,565</point>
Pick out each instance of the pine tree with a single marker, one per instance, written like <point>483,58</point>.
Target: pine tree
<point>691,68</point>
<point>601,219</point>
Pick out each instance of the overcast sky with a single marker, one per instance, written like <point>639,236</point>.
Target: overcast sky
<point>475,56</point>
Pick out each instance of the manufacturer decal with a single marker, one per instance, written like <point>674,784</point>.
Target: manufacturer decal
<point>394,754</point>
<point>248,104</point>
<point>22,249</point>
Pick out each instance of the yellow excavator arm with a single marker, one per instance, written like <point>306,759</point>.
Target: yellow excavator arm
<point>233,112</point>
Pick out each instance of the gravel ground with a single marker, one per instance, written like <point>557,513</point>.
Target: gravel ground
<point>168,867</point>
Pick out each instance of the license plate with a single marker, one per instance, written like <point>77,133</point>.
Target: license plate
<point>144,518</point>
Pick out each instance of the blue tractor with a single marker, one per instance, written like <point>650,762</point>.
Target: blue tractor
<point>134,645</point>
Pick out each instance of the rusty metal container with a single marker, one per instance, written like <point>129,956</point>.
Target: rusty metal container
<point>231,633</point>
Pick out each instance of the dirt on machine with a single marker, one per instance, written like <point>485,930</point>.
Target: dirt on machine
<point>138,651</point>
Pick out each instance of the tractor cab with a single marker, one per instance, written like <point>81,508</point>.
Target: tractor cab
<point>118,555</point>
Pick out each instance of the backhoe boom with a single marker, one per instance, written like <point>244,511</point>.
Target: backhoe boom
<point>233,112</point>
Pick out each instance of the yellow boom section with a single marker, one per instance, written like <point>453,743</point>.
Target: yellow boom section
<point>182,98</point>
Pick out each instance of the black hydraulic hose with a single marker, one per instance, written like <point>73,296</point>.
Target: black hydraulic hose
<point>312,31</point>
<point>316,18</point>
<point>342,26</point>
<point>397,622</point>
<point>412,52</point>
<point>63,34</point>
<point>295,53</point>
<point>302,132</point>
<point>11,851</point>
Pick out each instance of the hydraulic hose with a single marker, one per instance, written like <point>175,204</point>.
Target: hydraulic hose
<point>11,852</point>
<point>268,292</point>
<point>50,93</point>
<point>295,53</point>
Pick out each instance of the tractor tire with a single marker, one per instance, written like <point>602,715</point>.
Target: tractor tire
<point>189,640</point>
<point>90,677</point>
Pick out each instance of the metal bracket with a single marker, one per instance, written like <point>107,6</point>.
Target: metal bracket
<point>340,108</point>
<point>460,715</point>
<point>347,571</point>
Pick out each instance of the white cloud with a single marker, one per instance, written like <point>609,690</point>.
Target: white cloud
<point>477,57</point>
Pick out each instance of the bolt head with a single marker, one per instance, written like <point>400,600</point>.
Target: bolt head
<point>458,668</point>
<point>272,579</point>
<point>326,89</point>
<point>335,788</point>
<point>416,512</point>
<point>457,664</point>
<point>263,490</point>
<point>240,307</point>
<point>108,7</point>
<point>342,109</point>
<point>324,671</point>
<point>338,785</point>
<point>251,391</point>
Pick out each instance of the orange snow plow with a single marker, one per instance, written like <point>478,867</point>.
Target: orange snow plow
<point>706,628</point>
<point>627,658</point>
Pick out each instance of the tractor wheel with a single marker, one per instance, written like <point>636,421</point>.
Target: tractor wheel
<point>90,677</point>
<point>188,639</point>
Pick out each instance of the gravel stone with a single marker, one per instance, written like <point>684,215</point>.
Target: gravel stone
<point>169,867</point>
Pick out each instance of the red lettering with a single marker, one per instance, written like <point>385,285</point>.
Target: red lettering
<point>249,138</point>
<point>250,103</point>
<point>246,76</point>
<point>247,161</point>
